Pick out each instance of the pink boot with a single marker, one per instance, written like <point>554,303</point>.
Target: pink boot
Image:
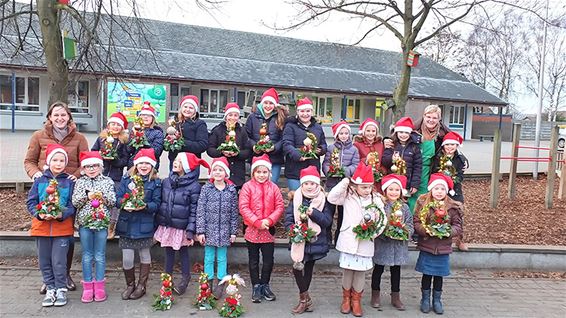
<point>88,292</point>
<point>99,291</point>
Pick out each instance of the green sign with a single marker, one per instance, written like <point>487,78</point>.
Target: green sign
<point>128,98</point>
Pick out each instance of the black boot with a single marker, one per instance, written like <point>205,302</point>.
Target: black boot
<point>181,287</point>
<point>267,293</point>
<point>70,283</point>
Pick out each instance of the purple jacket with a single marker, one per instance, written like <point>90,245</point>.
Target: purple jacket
<point>349,160</point>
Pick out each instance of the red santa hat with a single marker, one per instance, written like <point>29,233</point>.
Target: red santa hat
<point>145,155</point>
<point>221,162</point>
<point>191,100</point>
<point>147,109</point>
<point>190,161</point>
<point>270,95</point>
<point>310,173</point>
<point>452,138</point>
<point>90,158</point>
<point>338,126</point>
<point>368,122</point>
<point>304,103</point>
<point>404,124</point>
<point>231,108</point>
<point>119,119</point>
<point>262,160</point>
<point>363,174</point>
<point>390,179</point>
<point>441,179</point>
<point>52,150</point>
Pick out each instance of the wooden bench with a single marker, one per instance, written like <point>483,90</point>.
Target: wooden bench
<point>482,137</point>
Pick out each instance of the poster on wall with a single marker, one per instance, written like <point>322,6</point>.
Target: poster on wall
<point>128,98</point>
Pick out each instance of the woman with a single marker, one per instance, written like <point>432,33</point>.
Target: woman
<point>58,129</point>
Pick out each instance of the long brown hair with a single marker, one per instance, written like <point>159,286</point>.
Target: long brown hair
<point>59,104</point>
<point>282,114</point>
<point>152,175</point>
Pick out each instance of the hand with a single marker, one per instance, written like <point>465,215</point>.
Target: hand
<point>228,153</point>
<point>388,143</point>
<point>265,224</point>
<point>412,190</point>
<point>303,159</point>
<point>129,209</point>
<point>46,217</point>
<point>140,208</point>
<point>255,150</point>
<point>270,149</point>
<point>232,238</point>
<point>72,177</point>
<point>191,242</point>
<point>201,239</point>
<point>309,211</point>
<point>36,175</point>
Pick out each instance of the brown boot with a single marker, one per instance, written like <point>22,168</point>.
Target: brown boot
<point>462,246</point>
<point>305,304</point>
<point>375,301</point>
<point>357,303</point>
<point>142,281</point>
<point>111,230</point>
<point>346,299</point>
<point>396,301</point>
<point>308,302</point>
<point>130,282</point>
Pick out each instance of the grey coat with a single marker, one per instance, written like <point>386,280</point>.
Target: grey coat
<point>349,160</point>
<point>389,252</point>
<point>217,214</point>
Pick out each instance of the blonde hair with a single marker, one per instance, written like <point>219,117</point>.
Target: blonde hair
<point>433,108</point>
<point>152,175</point>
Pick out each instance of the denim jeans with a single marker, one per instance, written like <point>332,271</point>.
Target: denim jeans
<point>210,252</point>
<point>293,184</point>
<point>275,172</point>
<point>52,255</point>
<point>93,243</point>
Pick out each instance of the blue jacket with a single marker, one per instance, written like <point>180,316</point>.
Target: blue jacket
<point>139,224</point>
<point>217,214</point>
<point>179,198</point>
<point>114,168</point>
<point>349,160</point>
<point>238,162</point>
<point>411,153</point>
<point>65,186</point>
<point>195,135</point>
<point>253,124</point>
<point>155,137</point>
<point>293,135</point>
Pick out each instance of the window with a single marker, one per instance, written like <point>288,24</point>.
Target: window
<point>213,102</point>
<point>241,99</point>
<point>177,93</point>
<point>457,115</point>
<point>78,99</point>
<point>27,93</point>
<point>353,110</point>
<point>323,108</point>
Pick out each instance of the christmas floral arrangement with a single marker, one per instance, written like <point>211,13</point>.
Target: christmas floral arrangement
<point>395,228</point>
<point>173,139</point>
<point>134,200</point>
<point>205,299</point>
<point>137,135</point>
<point>230,143</point>
<point>439,225</point>
<point>310,144</point>
<point>399,165</point>
<point>373,161</point>
<point>447,168</point>
<point>232,307</point>
<point>50,206</point>
<point>335,170</point>
<point>372,223</point>
<point>300,232</point>
<point>264,143</point>
<point>164,300</point>
<point>108,151</point>
<point>97,219</point>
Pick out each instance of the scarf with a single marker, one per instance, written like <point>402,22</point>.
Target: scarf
<point>59,133</point>
<point>317,202</point>
<point>429,134</point>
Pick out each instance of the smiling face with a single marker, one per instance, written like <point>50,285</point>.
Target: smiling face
<point>92,171</point>
<point>450,149</point>
<point>59,117</point>
<point>309,186</point>
<point>370,133</point>
<point>438,192</point>
<point>403,136</point>
<point>115,128</point>
<point>232,118</point>
<point>147,120</point>
<point>261,174</point>
<point>431,120</point>
<point>344,134</point>
<point>305,114</point>
<point>188,111</point>
<point>393,192</point>
<point>144,168</point>
<point>268,107</point>
<point>218,173</point>
<point>57,163</point>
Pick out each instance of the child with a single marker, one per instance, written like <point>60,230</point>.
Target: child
<point>152,132</point>
<point>435,245</point>
<point>113,139</point>
<point>451,162</point>
<point>341,161</point>
<point>361,206</point>
<point>318,217</point>
<point>135,224</point>
<point>369,140</point>
<point>217,220</point>
<point>93,197</point>
<point>392,248</point>
<point>177,214</point>
<point>53,232</point>
<point>405,148</point>
<point>261,206</point>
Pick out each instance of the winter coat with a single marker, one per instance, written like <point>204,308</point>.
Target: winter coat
<point>353,215</point>
<point>459,161</point>
<point>155,138</point>
<point>349,160</point>
<point>253,124</point>
<point>73,143</point>
<point>217,214</point>
<point>293,135</point>
<point>435,245</point>
<point>113,168</point>
<point>195,136</point>
<point>390,252</point>
<point>179,198</point>
<point>259,201</point>
<point>411,153</point>
<point>237,163</point>
<point>364,148</point>
<point>83,186</point>
<point>138,224</point>
<point>51,228</point>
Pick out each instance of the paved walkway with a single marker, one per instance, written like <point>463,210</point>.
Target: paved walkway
<point>465,295</point>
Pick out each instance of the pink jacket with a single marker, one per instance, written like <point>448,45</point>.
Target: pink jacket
<point>259,201</point>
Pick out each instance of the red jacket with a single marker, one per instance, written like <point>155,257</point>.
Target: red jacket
<point>364,148</point>
<point>259,201</point>
<point>435,245</point>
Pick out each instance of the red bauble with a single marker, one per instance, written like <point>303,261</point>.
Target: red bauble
<point>440,213</point>
<point>50,189</point>
<point>203,286</point>
<point>166,283</point>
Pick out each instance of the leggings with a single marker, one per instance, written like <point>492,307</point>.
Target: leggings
<point>304,277</point>
<point>267,250</point>
<point>395,277</point>
<point>437,283</point>
<point>170,260</point>
<point>354,279</point>
<point>128,257</point>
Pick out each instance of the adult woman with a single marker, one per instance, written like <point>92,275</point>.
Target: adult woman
<point>58,129</point>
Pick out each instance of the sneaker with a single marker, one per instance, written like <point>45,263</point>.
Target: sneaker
<point>267,293</point>
<point>257,293</point>
<point>61,297</point>
<point>49,299</point>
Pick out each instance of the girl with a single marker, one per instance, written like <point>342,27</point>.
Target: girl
<point>391,247</point>
<point>341,161</point>
<point>318,217</point>
<point>405,148</point>
<point>451,162</point>
<point>435,243</point>
<point>177,214</point>
<point>261,206</point>
<point>93,197</point>
<point>192,128</point>
<point>369,140</point>
<point>273,115</point>
<point>135,224</point>
<point>295,137</point>
<point>52,232</point>
<point>112,144</point>
<point>361,206</point>
<point>217,220</point>
<point>219,134</point>
<point>152,132</point>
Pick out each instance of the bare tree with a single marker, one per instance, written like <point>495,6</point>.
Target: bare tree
<point>446,48</point>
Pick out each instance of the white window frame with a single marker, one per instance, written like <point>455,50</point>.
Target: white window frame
<point>175,99</point>
<point>456,116</point>
<point>322,111</point>
<point>75,103</point>
<point>205,110</point>
<point>25,106</point>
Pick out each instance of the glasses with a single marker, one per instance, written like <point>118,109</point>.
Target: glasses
<point>91,167</point>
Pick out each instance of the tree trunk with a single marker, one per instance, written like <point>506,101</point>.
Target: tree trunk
<point>57,67</point>
<point>401,92</point>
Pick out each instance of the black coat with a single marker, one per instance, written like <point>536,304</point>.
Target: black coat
<point>293,135</point>
<point>459,161</point>
<point>238,162</point>
<point>253,124</point>
<point>195,135</point>
<point>411,153</point>
<point>114,169</point>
